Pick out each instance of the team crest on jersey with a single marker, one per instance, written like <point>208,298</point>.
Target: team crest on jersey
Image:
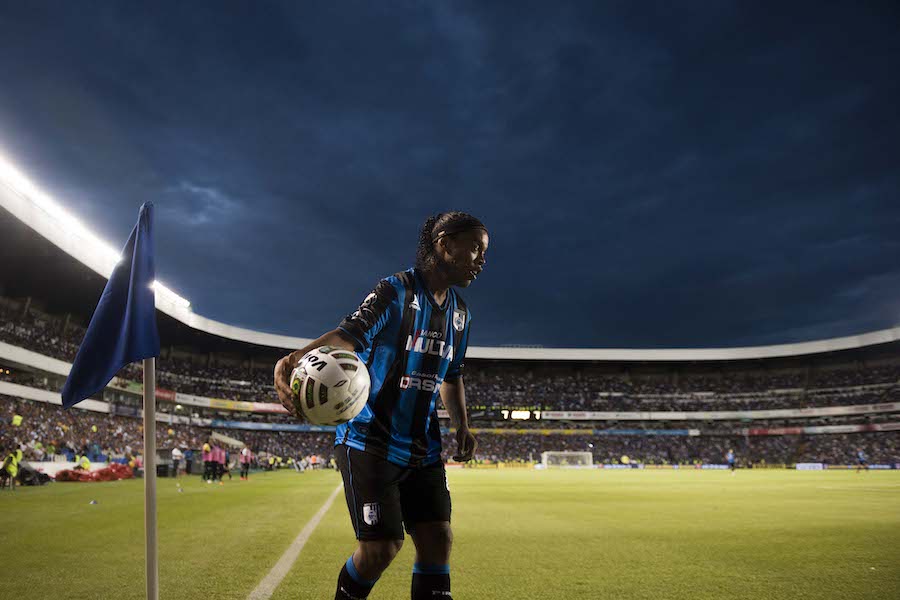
<point>459,319</point>
<point>371,513</point>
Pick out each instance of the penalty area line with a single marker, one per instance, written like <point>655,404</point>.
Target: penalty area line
<point>270,582</point>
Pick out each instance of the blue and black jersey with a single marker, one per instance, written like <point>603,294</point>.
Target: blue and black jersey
<point>410,345</point>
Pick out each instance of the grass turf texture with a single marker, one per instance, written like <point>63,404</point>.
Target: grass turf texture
<point>519,534</point>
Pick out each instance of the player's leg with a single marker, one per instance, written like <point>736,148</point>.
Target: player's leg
<point>373,499</point>
<point>431,571</point>
<point>365,566</point>
<point>425,499</point>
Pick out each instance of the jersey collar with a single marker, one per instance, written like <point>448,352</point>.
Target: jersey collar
<point>431,300</point>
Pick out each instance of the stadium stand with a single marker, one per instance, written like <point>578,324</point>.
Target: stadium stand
<point>654,406</point>
<point>491,391</point>
<point>555,388</point>
<point>48,429</point>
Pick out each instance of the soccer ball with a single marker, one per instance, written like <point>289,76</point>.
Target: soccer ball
<point>330,386</point>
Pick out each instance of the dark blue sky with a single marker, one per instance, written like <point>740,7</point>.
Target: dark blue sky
<point>690,174</point>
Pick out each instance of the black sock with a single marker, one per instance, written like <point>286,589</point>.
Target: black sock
<point>351,585</point>
<point>431,582</point>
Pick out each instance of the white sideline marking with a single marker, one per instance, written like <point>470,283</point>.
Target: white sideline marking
<point>267,586</point>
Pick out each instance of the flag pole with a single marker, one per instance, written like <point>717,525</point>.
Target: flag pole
<point>150,478</point>
<point>123,331</point>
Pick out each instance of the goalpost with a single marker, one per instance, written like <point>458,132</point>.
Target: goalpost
<point>572,460</point>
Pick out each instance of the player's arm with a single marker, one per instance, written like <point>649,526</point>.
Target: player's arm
<point>283,367</point>
<point>453,395</point>
<point>355,333</point>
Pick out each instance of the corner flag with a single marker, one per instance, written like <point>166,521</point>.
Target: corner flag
<point>123,328</point>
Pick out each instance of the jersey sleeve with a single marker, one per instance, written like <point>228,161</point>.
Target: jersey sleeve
<point>458,363</point>
<point>372,315</point>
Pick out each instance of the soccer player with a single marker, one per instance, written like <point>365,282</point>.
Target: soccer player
<point>411,332</point>
<point>218,459</point>
<point>730,458</point>
<point>9,470</point>
<point>862,461</point>
<point>207,461</point>
<point>246,457</point>
<point>188,461</point>
<point>177,455</point>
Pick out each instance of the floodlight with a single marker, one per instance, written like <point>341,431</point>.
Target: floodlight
<point>13,179</point>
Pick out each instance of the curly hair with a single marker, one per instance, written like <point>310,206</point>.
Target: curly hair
<point>438,226</point>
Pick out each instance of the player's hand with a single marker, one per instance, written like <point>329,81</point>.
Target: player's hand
<point>283,384</point>
<point>466,445</point>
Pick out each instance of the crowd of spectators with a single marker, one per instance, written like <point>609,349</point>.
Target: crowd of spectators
<point>38,333</point>
<point>585,391</point>
<point>881,448</point>
<point>837,448</point>
<point>562,388</point>
<point>708,426</point>
<point>46,430</point>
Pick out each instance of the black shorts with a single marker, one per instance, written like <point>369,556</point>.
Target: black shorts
<point>382,496</point>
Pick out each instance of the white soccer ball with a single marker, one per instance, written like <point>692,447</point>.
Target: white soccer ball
<point>330,386</point>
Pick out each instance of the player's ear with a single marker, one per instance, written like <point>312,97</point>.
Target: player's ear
<point>444,247</point>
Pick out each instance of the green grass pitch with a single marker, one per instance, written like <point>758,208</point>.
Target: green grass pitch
<point>519,534</point>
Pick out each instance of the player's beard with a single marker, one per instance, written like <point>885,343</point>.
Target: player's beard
<point>453,272</point>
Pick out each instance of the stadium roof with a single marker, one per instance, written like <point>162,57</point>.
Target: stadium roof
<point>50,221</point>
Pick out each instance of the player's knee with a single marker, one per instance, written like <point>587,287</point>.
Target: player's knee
<point>392,548</point>
<point>376,556</point>
<point>434,542</point>
<point>444,538</point>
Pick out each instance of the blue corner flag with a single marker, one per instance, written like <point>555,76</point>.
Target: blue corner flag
<point>123,328</point>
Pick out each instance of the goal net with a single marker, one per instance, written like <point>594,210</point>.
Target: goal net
<point>567,459</point>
